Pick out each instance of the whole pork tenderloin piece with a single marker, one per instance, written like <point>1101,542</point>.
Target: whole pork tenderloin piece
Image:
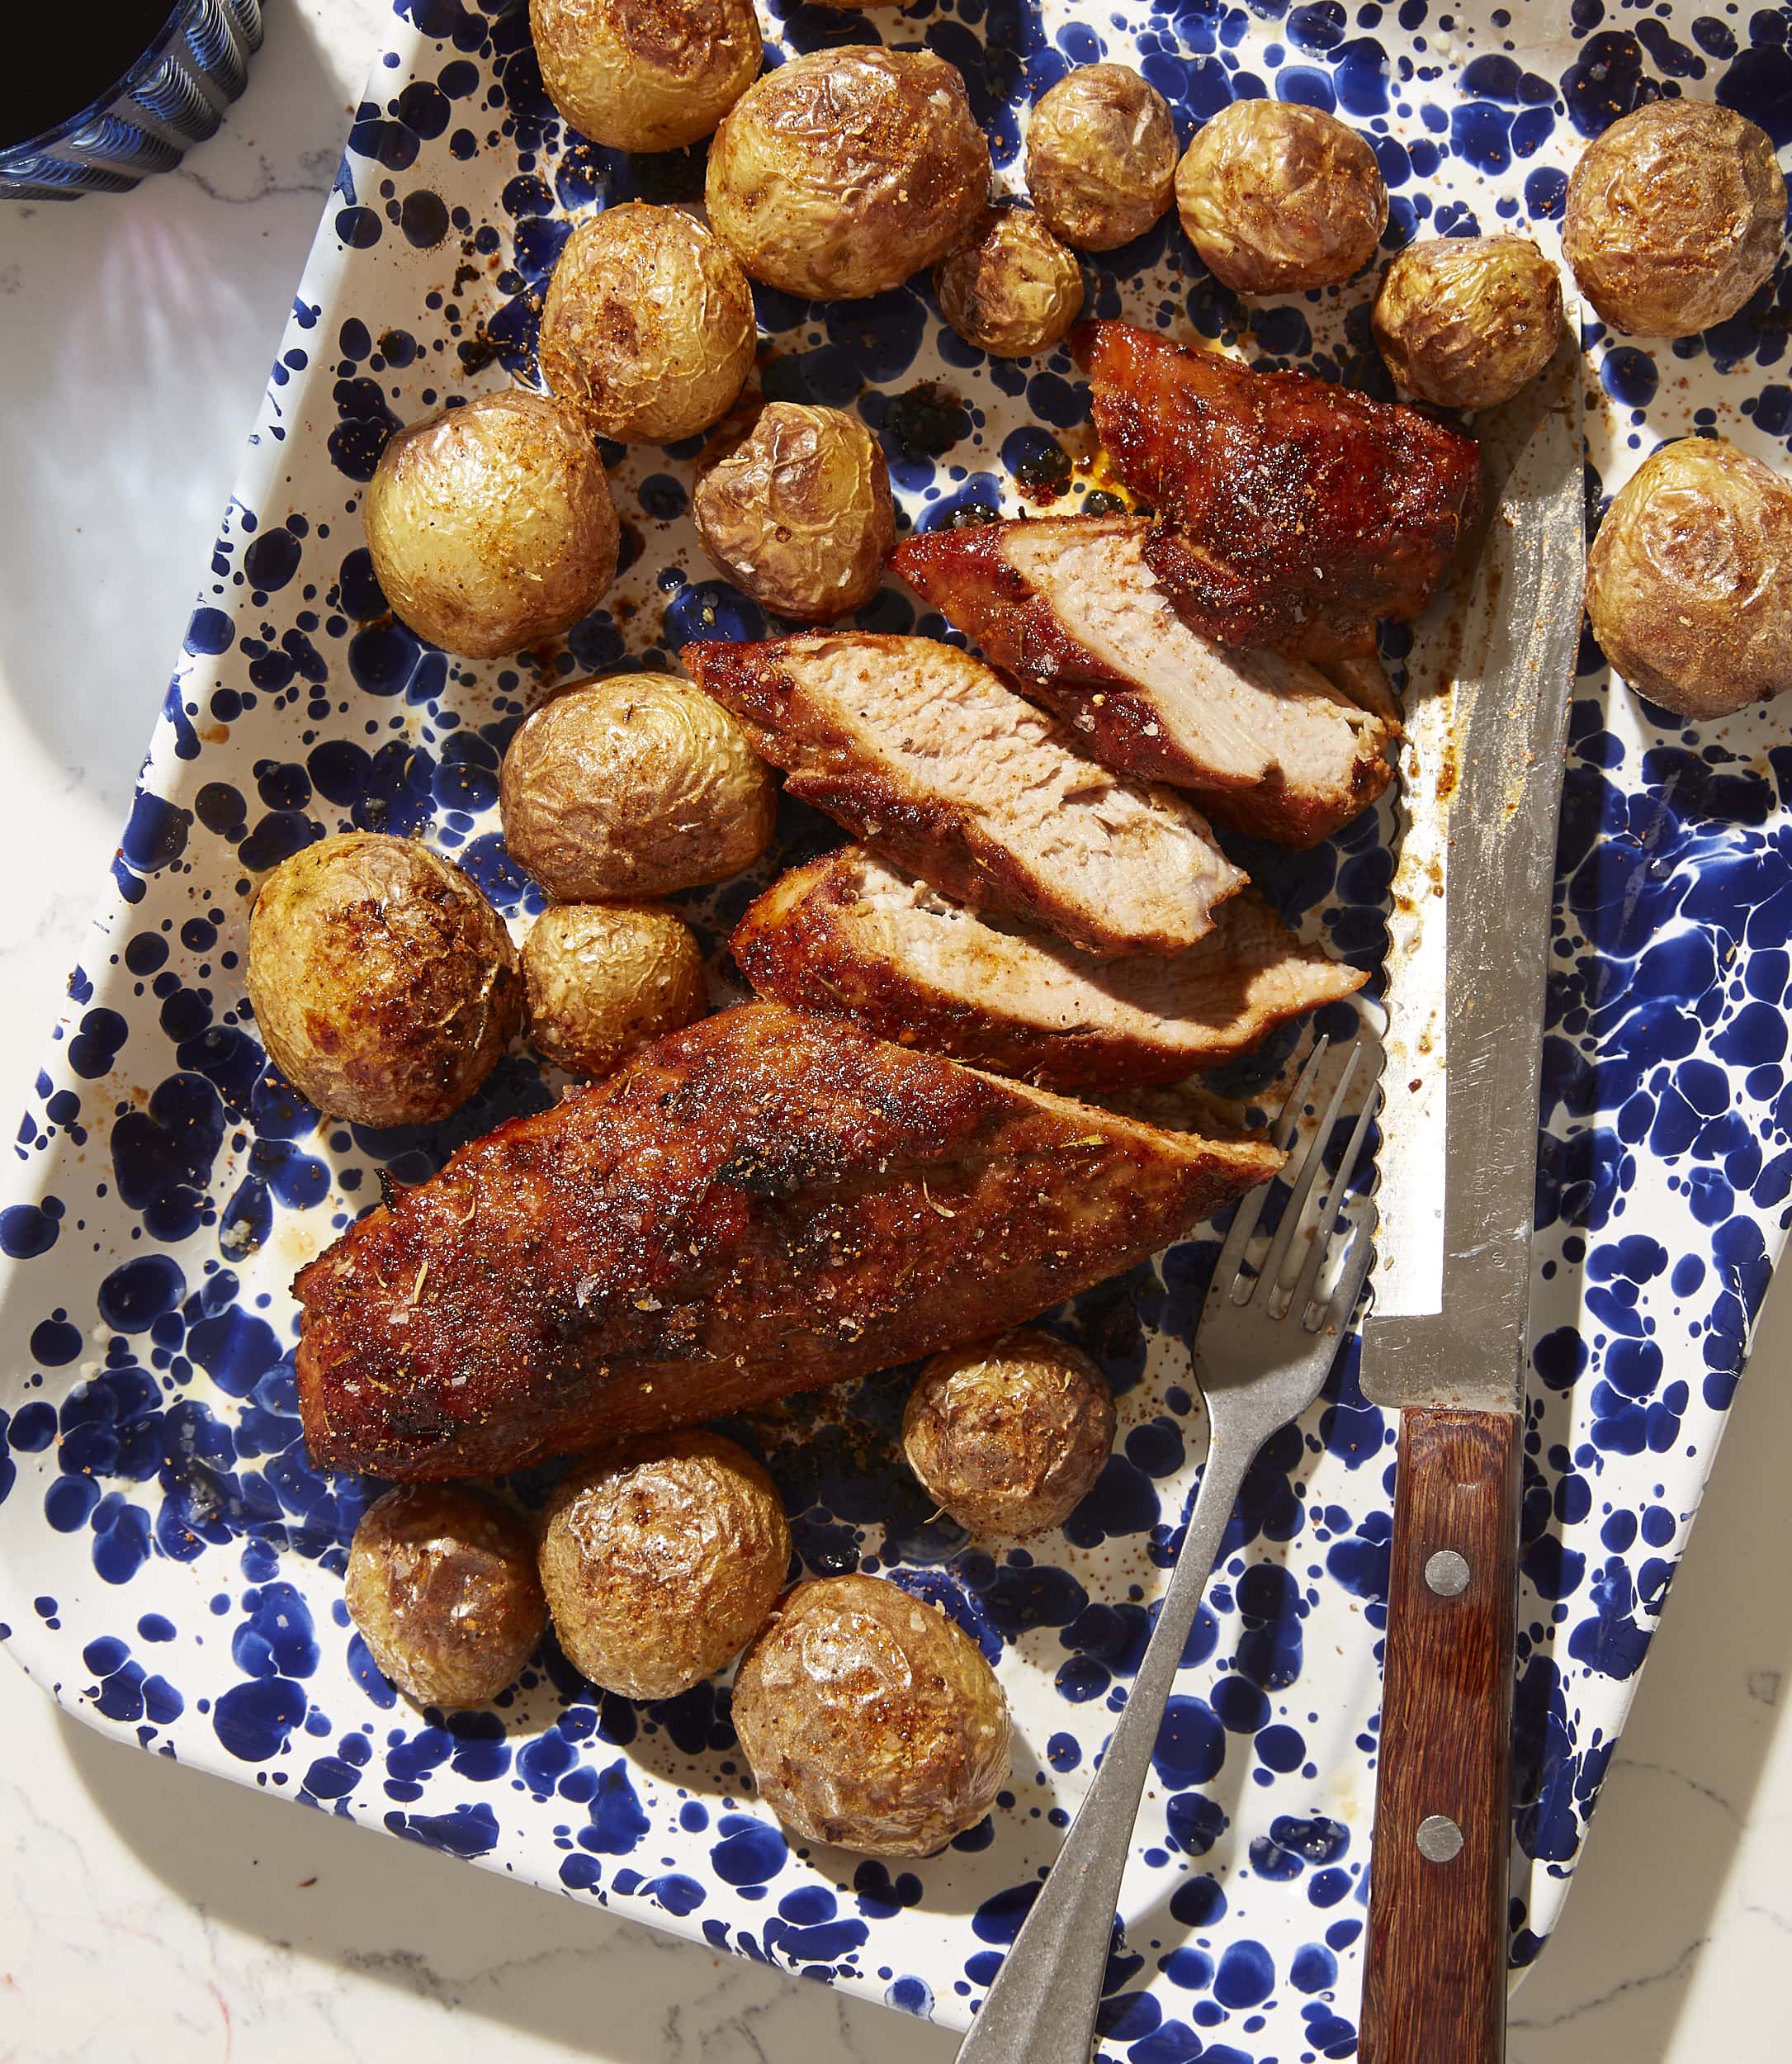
<point>760,1204</point>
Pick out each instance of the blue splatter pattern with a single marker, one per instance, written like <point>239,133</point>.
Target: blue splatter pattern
<point>172,1563</point>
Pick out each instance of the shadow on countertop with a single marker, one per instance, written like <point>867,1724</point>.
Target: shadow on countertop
<point>1618,1975</point>
<point>115,487</point>
<point>515,1957</point>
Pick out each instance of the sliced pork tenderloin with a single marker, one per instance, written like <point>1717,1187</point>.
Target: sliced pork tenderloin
<point>850,935</point>
<point>924,755</point>
<point>1067,608</point>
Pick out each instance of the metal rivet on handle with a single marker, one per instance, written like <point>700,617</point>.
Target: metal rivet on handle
<point>1447,1573</point>
<point>1440,1839</point>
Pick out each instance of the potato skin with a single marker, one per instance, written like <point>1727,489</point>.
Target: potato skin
<point>1689,583</point>
<point>648,328</point>
<point>1011,288</point>
<point>870,1720</point>
<point>385,986</point>
<point>1276,196</point>
<point>645,74</point>
<point>1675,216</point>
<point>604,979</point>
<point>661,1560</point>
<point>1101,156</point>
<point>443,1586</point>
<point>491,527</point>
<point>843,171</point>
<point>1466,321</point>
<point>630,785</point>
<point>1010,1434</point>
<point>798,513</point>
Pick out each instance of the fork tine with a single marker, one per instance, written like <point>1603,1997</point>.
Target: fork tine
<point>1324,1223</point>
<point>1250,1205</point>
<point>1312,1166</point>
<point>1338,1308</point>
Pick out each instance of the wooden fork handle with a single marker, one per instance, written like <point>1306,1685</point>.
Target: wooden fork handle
<point>1435,1976</point>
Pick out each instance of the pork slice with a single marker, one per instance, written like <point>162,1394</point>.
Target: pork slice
<point>759,1203</point>
<point>850,935</point>
<point>1067,608</point>
<point>923,755</point>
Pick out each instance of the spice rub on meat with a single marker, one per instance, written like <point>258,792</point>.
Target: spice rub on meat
<point>762,1203</point>
<point>1291,512</point>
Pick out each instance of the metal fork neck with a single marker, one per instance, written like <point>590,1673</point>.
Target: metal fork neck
<point>1042,2008</point>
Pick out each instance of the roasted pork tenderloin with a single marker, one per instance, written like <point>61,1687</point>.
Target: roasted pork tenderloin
<point>1067,608</point>
<point>925,755</point>
<point>851,935</point>
<point>1290,511</point>
<point>762,1203</point>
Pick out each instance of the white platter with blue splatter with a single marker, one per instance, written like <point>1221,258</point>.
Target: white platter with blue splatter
<point>170,1565</point>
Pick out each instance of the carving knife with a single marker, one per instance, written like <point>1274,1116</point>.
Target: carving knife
<point>1446,1341</point>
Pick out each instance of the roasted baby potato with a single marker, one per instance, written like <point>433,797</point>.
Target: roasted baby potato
<point>605,979</point>
<point>1466,321</point>
<point>1675,216</point>
<point>443,1586</point>
<point>869,1719</point>
<point>491,526</point>
<point>1276,196</point>
<point>385,986</point>
<point>661,1560</point>
<point>641,75</point>
<point>844,170</point>
<point>648,328</point>
<point>1101,156</point>
<point>1011,288</point>
<point>633,784</point>
<point>1689,583</point>
<point>1010,1434</point>
<point>798,513</point>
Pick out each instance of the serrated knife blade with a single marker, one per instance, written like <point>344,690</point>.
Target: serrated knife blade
<point>1487,696</point>
<point>1489,683</point>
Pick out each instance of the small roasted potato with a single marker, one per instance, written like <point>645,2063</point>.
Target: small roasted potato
<point>385,986</point>
<point>648,328</point>
<point>1009,1435</point>
<point>606,979</point>
<point>1276,196</point>
<point>1689,583</point>
<point>442,1585</point>
<point>661,1560</point>
<point>844,170</point>
<point>1466,321</point>
<point>633,784</point>
<point>798,513</point>
<point>1101,156</point>
<point>1675,216</point>
<point>869,1719</point>
<point>645,74</point>
<point>491,526</point>
<point>1011,288</point>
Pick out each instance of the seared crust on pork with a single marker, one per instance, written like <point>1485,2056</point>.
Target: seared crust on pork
<point>1067,608</point>
<point>1291,511</point>
<point>850,936</point>
<point>759,1203</point>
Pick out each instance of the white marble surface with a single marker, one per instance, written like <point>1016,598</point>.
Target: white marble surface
<point>149,1914</point>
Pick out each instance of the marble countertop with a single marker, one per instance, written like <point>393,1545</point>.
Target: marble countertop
<point>148,1912</point>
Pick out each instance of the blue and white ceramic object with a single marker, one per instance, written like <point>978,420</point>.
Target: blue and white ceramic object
<point>192,68</point>
<point>170,1564</point>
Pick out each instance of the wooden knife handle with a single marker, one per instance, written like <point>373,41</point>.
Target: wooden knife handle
<point>1435,1983</point>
